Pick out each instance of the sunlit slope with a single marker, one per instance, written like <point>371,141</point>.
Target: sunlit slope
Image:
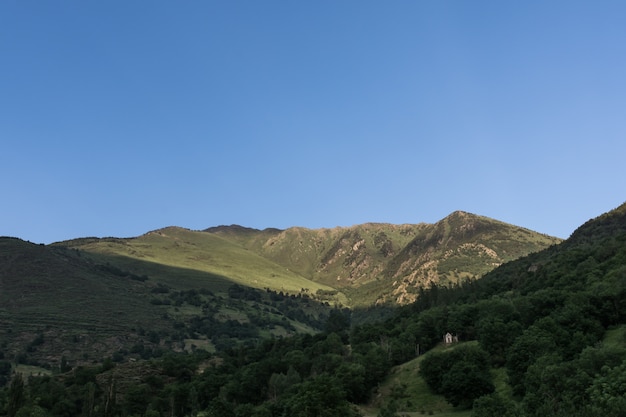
<point>86,305</point>
<point>207,253</point>
<point>378,262</point>
<point>340,256</point>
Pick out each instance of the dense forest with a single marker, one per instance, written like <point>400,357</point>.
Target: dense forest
<point>554,322</point>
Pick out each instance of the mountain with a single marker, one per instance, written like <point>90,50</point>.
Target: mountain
<point>208,261</point>
<point>551,324</point>
<point>540,335</point>
<point>75,302</point>
<point>103,293</point>
<point>377,262</point>
<point>124,301</point>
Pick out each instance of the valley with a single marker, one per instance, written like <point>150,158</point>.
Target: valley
<point>232,321</point>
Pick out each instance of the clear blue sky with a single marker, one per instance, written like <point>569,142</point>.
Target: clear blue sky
<point>120,117</point>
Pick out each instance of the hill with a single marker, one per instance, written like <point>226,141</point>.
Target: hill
<point>552,324</point>
<point>201,254</point>
<point>378,263</point>
<point>540,335</point>
<point>174,288</point>
<point>59,303</point>
<point>57,292</point>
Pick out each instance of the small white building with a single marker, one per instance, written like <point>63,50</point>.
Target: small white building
<point>448,338</point>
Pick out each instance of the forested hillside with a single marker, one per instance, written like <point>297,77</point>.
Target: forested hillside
<point>65,305</point>
<point>554,320</point>
<point>544,335</point>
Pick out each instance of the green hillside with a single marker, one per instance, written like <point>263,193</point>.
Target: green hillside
<point>57,302</point>
<point>204,256</point>
<point>103,294</point>
<point>378,263</point>
<point>551,324</point>
<point>542,335</point>
<point>54,294</point>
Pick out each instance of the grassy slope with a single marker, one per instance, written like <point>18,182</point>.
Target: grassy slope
<point>376,261</point>
<point>416,398</point>
<point>201,255</point>
<point>367,262</point>
<point>615,337</point>
<point>87,303</point>
<point>412,394</point>
<point>341,256</point>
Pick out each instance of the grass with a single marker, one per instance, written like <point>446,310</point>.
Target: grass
<point>412,394</point>
<point>191,344</point>
<point>29,370</point>
<point>86,306</point>
<point>226,314</point>
<point>615,337</point>
<point>501,382</point>
<point>208,260</point>
<point>359,262</point>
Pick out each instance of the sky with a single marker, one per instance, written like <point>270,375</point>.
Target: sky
<point>122,117</point>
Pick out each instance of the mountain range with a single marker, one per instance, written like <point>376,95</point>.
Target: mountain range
<point>103,293</point>
<point>364,264</point>
<point>376,262</point>
<point>268,320</point>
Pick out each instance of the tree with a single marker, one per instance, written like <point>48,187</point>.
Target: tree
<point>494,405</point>
<point>389,410</point>
<point>461,374</point>
<point>136,399</point>
<point>464,383</point>
<point>433,367</point>
<point>533,343</point>
<point>193,401</point>
<point>554,387</point>
<point>352,378</point>
<point>31,411</point>
<point>496,335</point>
<point>319,397</point>
<point>89,401</point>
<point>608,392</point>
<point>219,408</point>
<point>338,321</point>
<point>280,383</point>
<point>17,395</point>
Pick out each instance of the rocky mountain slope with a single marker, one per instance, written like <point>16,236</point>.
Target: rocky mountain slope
<point>378,262</point>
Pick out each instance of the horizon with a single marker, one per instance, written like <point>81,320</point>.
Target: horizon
<point>286,228</point>
<point>120,118</point>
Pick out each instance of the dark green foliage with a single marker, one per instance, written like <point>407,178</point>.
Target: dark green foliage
<point>220,408</point>
<point>494,405</point>
<point>544,317</point>
<point>338,321</point>
<point>5,368</point>
<point>496,336</point>
<point>16,395</point>
<point>321,396</point>
<point>607,393</point>
<point>464,382</point>
<point>461,374</point>
<point>389,410</point>
<point>136,399</point>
